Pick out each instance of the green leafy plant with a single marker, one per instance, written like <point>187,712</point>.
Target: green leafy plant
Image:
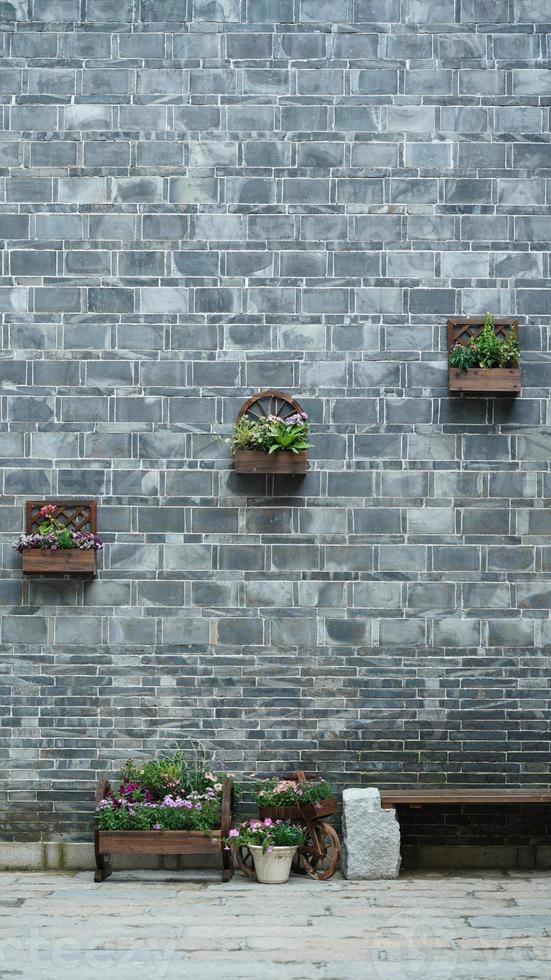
<point>272,433</point>
<point>266,834</point>
<point>488,345</point>
<point>244,434</point>
<point>510,350</point>
<point>179,771</point>
<point>487,350</point>
<point>463,356</point>
<point>289,792</point>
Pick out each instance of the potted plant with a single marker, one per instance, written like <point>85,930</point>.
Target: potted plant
<point>294,799</point>
<point>273,845</point>
<point>484,356</point>
<point>171,805</point>
<point>57,540</point>
<point>271,435</point>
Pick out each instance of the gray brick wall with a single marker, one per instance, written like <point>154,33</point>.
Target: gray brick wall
<point>200,199</point>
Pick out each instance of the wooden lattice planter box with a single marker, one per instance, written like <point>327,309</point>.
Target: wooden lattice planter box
<point>76,515</point>
<point>109,842</point>
<point>260,406</point>
<point>483,381</point>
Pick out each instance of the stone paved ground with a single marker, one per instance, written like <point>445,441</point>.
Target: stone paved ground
<point>428,926</point>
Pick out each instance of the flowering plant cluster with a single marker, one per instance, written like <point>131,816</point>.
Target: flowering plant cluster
<point>121,811</point>
<point>289,792</point>
<point>266,834</point>
<point>53,536</point>
<point>487,350</point>
<point>272,433</point>
<point>171,793</point>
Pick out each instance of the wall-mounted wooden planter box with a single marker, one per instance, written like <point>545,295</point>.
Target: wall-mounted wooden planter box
<point>482,381</point>
<point>250,461</point>
<point>65,561</point>
<point>108,842</point>
<point>77,515</point>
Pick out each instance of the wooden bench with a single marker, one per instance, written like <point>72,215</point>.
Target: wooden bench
<point>468,799</point>
<point>375,847</point>
<point>431,797</point>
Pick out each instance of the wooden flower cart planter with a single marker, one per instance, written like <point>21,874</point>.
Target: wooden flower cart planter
<point>108,842</point>
<point>319,856</point>
<point>251,461</point>
<point>482,381</point>
<point>76,515</point>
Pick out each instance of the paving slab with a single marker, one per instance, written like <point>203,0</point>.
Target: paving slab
<point>165,925</point>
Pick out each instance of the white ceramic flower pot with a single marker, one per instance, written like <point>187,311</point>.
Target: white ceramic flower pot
<point>272,867</point>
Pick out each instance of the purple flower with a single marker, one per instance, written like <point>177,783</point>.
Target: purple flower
<point>298,418</point>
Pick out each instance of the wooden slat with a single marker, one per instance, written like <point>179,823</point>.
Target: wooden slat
<point>429,797</point>
<point>159,841</point>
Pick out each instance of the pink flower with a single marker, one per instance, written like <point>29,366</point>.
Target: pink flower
<point>218,787</point>
<point>268,822</point>
<point>284,785</point>
<point>156,826</point>
<point>233,832</point>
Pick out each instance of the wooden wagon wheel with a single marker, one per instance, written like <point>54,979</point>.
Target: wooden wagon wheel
<point>244,861</point>
<point>327,841</point>
<point>269,403</point>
